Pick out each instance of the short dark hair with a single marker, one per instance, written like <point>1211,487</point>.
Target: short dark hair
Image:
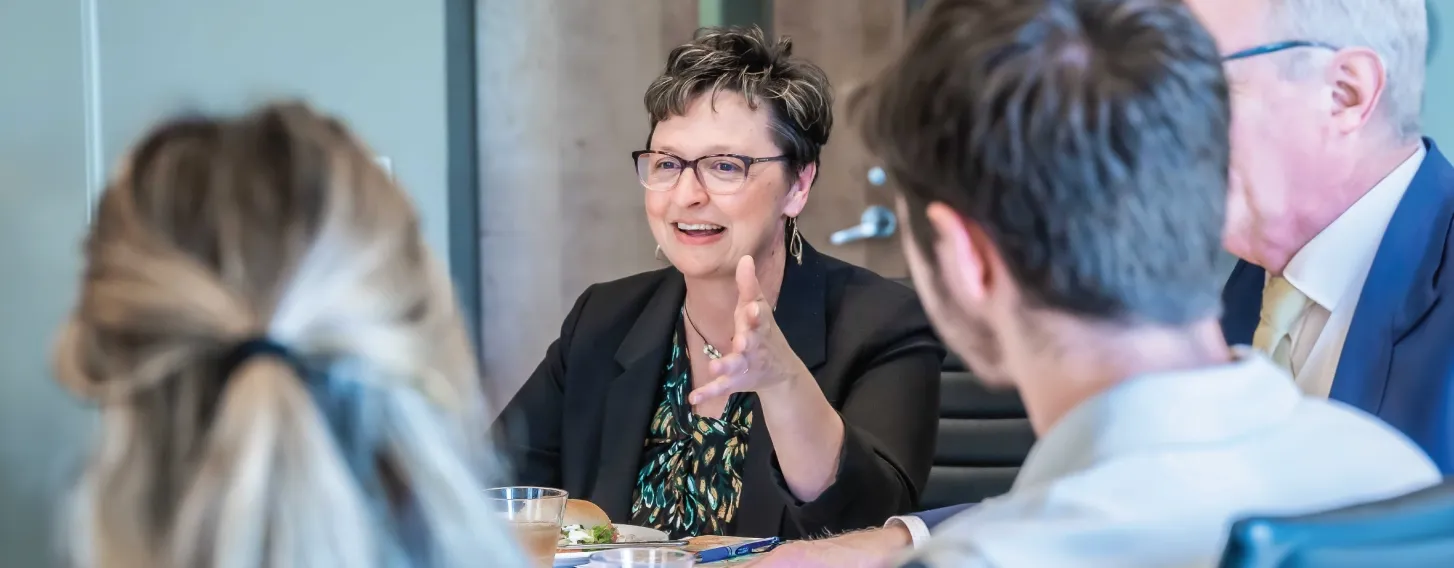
<point>742,60</point>
<point>1087,138</point>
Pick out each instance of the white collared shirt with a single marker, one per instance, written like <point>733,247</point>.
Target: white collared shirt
<point>1331,269</point>
<point>1154,471</point>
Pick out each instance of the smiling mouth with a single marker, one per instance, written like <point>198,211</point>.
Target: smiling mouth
<point>699,229</point>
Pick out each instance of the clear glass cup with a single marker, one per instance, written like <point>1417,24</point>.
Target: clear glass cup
<point>644,558</point>
<point>534,513</point>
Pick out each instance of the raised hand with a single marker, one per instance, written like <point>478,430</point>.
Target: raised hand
<point>761,357</point>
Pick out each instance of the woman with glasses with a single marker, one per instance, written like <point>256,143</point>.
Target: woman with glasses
<point>756,387</point>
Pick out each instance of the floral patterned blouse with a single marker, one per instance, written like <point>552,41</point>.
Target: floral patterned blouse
<point>691,470</point>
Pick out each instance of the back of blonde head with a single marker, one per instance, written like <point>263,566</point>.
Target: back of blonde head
<point>277,224</point>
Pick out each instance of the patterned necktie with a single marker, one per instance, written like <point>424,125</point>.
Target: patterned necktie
<point>1282,304</point>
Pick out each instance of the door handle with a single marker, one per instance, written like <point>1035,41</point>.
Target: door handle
<point>878,222</point>
<point>877,176</point>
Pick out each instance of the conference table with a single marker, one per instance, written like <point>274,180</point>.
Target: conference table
<point>700,543</point>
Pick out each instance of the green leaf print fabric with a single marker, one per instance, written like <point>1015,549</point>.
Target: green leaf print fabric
<point>690,477</point>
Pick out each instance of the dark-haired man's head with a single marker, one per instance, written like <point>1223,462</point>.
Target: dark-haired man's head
<point>1063,169</point>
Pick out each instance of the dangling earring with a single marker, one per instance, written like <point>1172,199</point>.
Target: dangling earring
<point>658,252</point>
<point>795,241</point>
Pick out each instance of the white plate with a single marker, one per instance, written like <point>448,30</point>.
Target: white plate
<point>624,533</point>
<point>567,559</point>
<point>633,533</point>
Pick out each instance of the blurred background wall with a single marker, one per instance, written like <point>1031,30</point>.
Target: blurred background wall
<point>508,121</point>
<point>560,87</point>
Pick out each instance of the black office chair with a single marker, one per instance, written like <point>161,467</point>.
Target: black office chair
<point>1413,530</point>
<point>984,436</point>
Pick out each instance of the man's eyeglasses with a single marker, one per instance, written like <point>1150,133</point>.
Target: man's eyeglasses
<point>1276,47</point>
<point>721,174</point>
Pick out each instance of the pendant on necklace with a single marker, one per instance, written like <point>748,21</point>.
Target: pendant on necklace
<point>711,352</point>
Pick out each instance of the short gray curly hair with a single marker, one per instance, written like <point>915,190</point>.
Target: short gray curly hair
<point>1397,30</point>
<point>744,61</point>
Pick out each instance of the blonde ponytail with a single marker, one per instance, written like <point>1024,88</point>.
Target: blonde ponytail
<point>351,439</point>
<point>271,474</point>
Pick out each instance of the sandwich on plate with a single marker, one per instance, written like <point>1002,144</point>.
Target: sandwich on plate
<point>585,523</point>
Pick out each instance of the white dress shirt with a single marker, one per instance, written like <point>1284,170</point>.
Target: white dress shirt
<point>1331,269</point>
<point>1154,471</point>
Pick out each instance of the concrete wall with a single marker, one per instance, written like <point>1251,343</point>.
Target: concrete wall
<point>380,64</point>
<point>560,84</point>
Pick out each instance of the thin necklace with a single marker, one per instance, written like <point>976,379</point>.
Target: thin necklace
<point>707,348</point>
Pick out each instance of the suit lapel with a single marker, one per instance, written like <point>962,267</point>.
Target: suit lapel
<point>800,307</point>
<point>800,315</point>
<point>1400,288</point>
<point>1242,303</point>
<point>632,396</point>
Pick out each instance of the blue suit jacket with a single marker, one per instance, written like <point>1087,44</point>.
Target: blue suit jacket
<point>1398,361</point>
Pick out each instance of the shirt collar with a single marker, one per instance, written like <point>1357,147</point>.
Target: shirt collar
<point>1339,256</point>
<point>1162,410</point>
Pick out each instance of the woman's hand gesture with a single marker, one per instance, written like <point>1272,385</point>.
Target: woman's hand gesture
<point>761,358</point>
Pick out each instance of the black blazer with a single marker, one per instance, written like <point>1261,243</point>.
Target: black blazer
<point>581,420</point>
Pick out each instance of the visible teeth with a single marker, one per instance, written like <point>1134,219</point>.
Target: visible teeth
<point>698,226</point>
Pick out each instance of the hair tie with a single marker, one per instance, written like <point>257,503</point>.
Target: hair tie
<point>260,347</point>
<point>345,407</point>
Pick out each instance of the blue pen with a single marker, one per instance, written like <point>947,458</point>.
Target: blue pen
<point>724,552</point>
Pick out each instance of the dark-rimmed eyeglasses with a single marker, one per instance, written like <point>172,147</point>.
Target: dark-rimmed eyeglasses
<point>1267,48</point>
<point>720,174</point>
